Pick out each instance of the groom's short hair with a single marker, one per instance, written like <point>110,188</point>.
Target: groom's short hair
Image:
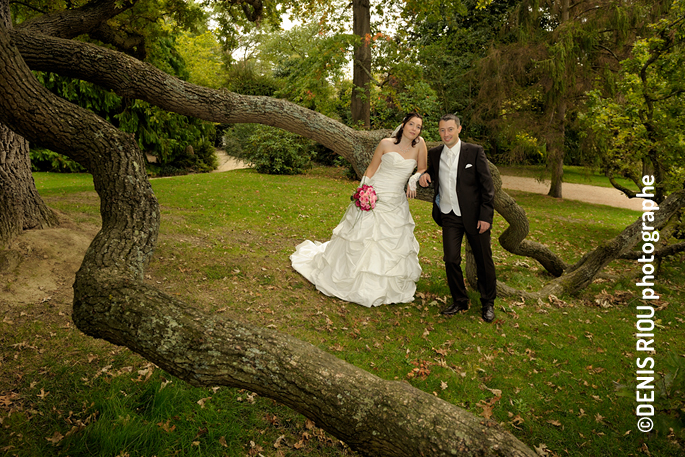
<point>451,117</point>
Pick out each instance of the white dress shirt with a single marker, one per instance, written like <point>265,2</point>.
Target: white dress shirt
<point>449,164</point>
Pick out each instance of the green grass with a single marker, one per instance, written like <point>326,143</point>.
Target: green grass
<point>224,245</point>
<point>572,174</point>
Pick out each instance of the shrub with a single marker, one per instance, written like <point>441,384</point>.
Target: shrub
<point>270,150</point>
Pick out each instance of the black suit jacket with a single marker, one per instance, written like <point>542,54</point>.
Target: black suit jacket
<point>475,190</point>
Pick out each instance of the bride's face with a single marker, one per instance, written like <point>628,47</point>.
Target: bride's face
<point>412,128</point>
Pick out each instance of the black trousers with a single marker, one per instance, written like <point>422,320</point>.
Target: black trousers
<point>452,235</point>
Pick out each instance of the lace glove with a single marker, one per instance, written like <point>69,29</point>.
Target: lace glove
<point>413,180</point>
<point>365,180</point>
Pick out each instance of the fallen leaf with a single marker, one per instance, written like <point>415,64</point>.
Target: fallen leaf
<point>202,401</point>
<point>56,438</point>
<point>277,444</point>
<point>542,450</point>
<point>166,426</point>
<point>443,385</point>
<point>495,392</point>
<point>556,423</point>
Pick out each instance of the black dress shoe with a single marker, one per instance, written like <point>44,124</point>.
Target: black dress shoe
<point>488,312</point>
<point>455,308</point>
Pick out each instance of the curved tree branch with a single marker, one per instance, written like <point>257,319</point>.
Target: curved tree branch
<point>629,193</point>
<point>660,253</point>
<point>72,23</point>
<point>513,238</point>
<point>374,416</point>
<point>131,78</point>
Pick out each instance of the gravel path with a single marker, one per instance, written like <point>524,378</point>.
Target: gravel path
<point>581,192</point>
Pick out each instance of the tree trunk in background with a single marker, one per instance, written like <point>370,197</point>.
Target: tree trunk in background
<point>557,155</point>
<point>361,78</point>
<point>21,208</point>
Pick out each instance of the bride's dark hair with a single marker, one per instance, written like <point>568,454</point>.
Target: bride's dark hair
<point>407,118</point>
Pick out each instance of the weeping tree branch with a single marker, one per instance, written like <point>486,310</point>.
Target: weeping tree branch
<point>111,301</point>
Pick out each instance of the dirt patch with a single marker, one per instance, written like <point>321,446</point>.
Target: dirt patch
<point>41,265</point>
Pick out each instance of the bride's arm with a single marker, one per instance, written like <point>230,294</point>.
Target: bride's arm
<point>421,165</point>
<point>376,160</point>
<point>422,160</point>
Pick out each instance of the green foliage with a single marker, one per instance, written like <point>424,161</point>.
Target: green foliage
<point>449,45</point>
<point>642,122</point>
<point>243,78</point>
<point>162,134</point>
<point>167,135</point>
<point>518,147</point>
<point>310,62</point>
<point>202,55</point>
<point>102,102</point>
<point>47,160</point>
<point>270,150</point>
<point>275,151</point>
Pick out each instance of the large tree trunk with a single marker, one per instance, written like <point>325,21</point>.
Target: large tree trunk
<point>374,416</point>
<point>361,69</point>
<point>21,208</point>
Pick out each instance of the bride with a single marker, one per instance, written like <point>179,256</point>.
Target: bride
<point>372,257</point>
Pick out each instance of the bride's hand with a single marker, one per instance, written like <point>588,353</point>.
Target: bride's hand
<point>411,185</point>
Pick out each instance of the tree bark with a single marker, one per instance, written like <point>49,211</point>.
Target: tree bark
<point>557,155</point>
<point>74,22</point>
<point>21,208</point>
<point>374,416</point>
<point>361,69</point>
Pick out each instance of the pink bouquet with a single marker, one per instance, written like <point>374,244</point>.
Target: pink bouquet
<point>365,198</point>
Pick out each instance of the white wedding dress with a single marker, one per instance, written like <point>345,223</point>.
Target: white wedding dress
<point>372,257</point>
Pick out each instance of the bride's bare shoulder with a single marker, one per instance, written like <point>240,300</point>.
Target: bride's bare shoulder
<point>386,144</point>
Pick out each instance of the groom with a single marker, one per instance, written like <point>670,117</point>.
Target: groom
<point>463,204</point>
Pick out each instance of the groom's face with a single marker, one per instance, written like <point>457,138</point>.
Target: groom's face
<point>449,132</point>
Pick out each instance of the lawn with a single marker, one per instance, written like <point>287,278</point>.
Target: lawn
<point>560,376</point>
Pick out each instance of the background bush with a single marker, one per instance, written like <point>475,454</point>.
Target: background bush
<point>271,150</point>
